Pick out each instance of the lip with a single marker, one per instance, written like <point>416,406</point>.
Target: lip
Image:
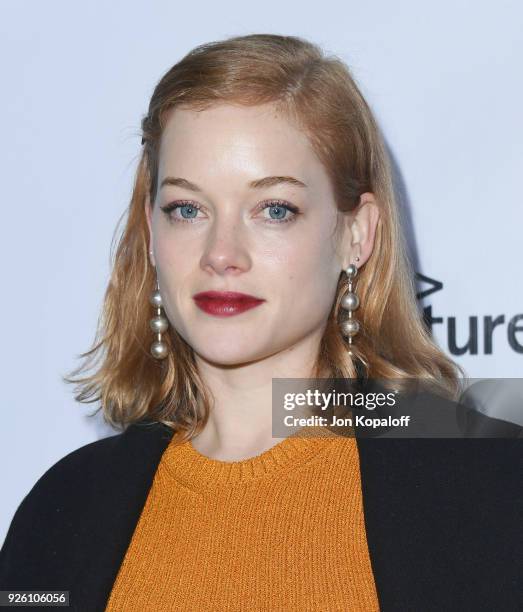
<point>225,303</point>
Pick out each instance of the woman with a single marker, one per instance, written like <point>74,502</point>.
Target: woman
<point>263,188</point>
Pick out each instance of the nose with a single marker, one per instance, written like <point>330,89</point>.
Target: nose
<point>226,246</point>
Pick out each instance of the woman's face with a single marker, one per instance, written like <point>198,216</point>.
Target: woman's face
<point>223,236</point>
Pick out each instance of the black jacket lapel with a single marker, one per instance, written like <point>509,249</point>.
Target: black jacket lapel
<point>72,530</point>
<point>443,522</point>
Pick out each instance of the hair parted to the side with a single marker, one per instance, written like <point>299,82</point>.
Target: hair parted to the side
<point>318,93</point>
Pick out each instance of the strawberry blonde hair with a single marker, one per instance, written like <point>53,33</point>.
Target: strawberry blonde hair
<point>319,94</point>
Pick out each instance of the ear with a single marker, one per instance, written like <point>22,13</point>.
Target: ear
<point>149,217</point>
<point>360,230</point>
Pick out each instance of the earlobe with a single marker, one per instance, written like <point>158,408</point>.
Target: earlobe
<point>363,229</point>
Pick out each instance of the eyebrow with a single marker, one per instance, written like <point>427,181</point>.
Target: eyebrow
<point>268,181</point>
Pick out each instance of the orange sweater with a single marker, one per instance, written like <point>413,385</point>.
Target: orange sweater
<point>281,531</point>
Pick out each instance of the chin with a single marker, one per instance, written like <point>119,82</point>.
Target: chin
<point>231,352</point>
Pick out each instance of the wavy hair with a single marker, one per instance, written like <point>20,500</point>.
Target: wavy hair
<point>318,92</point>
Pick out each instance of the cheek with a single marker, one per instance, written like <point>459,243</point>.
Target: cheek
<point>175,269</point>
<point>304,275</point>
<point>176,251</point>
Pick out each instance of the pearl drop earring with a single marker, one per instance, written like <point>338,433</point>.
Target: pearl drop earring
<point>158,324</point>
<point>350,302</point>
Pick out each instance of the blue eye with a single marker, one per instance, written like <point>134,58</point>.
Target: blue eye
<point>278,211</point>
<point>188,211</point>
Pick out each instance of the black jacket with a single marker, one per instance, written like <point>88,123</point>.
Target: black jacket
<point>443,520</point>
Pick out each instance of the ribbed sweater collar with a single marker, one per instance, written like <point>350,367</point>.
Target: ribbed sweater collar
<point>198,472</point>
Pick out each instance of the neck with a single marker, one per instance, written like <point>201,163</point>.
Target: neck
<point>240,422</point>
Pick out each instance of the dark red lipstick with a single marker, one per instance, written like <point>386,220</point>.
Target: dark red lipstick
<point>225,303</point>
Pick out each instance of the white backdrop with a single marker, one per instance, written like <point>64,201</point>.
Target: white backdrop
<point>444,80</point>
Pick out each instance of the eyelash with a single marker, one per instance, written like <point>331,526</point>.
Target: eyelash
<point>169,208</point>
